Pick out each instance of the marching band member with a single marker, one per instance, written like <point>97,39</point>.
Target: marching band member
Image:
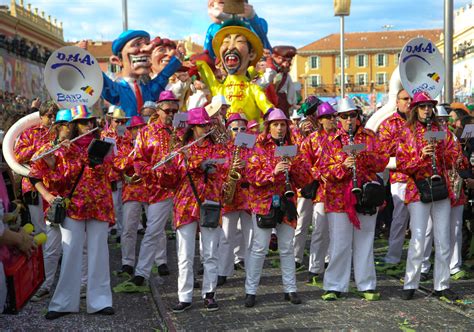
<point>270,176</point>
<point>389,134</point>
<point>197,179</point>
<point>351,224</point>
<point>28,143</point>
<point>92,185</point>
<point>117,131</point>
<point>426,164</point>
<point>312,148</point>
<point>253,127</point>
<point>237,209</point>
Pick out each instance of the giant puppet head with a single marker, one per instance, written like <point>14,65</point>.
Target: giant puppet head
<point>282,57</point>
<point>132,50</point>
<point>237,47</point>
<point>215,9</point>
<point>163,51</point>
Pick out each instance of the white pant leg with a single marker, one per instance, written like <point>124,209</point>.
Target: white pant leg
<point>99,293</point>
<point>157,216</point>
<point>256,256</point>
<point>161,254</point>
<point>338,272</point>
<point>84,273</point>
<point>132,212</point>
<point>247,233</point>
<point>66,295</point>
<point>456,239</point>
<point>227,243</point>
<point>117,198</point>
<point>399,223</point>
<point>185,243</point>
<point>239,254</point>
<point>419,215</point>
<point>37,217</point>
<point>51,254</point>
<point>286,234</point>
<point>305,215</point>
<point>440,212</point>
<point>210,243</point>
<point>363,253</point>
<point>428,248</point>
<point>319,239</point>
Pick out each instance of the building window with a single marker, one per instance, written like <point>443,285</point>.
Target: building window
<point>315,80</point>
<point>397,58</point>
<point>361,60</point>
<point>381,60</point>
<point>361,79</point>
<point>381,78</point>
<point>338,61</point>
<point>314,62</point>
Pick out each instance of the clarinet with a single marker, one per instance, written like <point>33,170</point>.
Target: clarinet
<point>435,176</point>
<point>356,190</point>
<point>288,191</point>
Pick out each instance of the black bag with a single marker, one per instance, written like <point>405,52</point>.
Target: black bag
<point>432,191</point>
<point>209,212</point>
<point>372,196</point>
<point>309,191</point>
<point>270,220</point>
<point>31,198</point>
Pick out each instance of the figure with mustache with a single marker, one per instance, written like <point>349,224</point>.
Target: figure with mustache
<point>215,9</point>
<point>132,51</point>
<point>237,47</point>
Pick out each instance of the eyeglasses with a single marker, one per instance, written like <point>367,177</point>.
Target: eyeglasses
<point>346,116</point>
<point>236,129</point>
<point>405,98</point>
<point>328,116</point>
<point>169,110</point>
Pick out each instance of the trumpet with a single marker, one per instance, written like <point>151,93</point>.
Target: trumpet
<point>435,176</point>
<point>288,190</point>
<point>356,190</point>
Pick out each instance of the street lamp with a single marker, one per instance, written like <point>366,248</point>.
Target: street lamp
<point>124,15</point>
<point>342,8</point>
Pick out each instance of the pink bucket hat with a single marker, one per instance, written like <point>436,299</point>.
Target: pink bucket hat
<point>198,116</point>
<point>276,114</point>
<point>422,97</point>
<point>136,121</point>
<point>167,95</point>
<point>252,123</point>
<point>236,117</point>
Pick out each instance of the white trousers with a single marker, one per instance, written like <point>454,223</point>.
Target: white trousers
<point>428,247</point>
<point>347,245</point>
<point>117,198</point>
<point>258,251</point>
<point>185,247</point>
<point>305,215</point>
<point>66,297</point>
<point>132,214</point>
<point>227,240</point>
<point>419,215</point>
<point>51,254</point>
<point>240,249</point>
<point>319,239</point>
<point>399,224</point>
<point>161,254</point>
<point>156,221</point>
<point>37,216</point>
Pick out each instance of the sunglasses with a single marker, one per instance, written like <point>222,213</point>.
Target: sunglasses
<point>169,110</point>
<point>346,116</point>
<point>120,121</point>
<point>328,116</point>
<point>405,98</point>
<point>236,129</point>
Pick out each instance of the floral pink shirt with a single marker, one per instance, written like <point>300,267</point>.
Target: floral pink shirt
<point>28,143</point>
<point>121,142</point>
<point>264,184</point>
<point>368,162</point>
<point>411,162</point>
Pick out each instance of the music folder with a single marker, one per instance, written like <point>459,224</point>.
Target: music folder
<point>97,151</point>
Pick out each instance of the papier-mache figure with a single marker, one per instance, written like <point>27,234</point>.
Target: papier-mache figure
<point>237,48</point>
<point>216,12</point>
<point>131,52</point>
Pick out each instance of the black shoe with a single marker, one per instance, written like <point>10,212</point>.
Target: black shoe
<point>292,297</point>
<point>201,270</point>
<point>407,294</point>
<point>424,277</point>
<point>249,300</point>
<point>221,280</point>
<point>138,280</point>
<point>312,277</point>
<point>181,306</point>
<point>127,269</point>
<point>197,284</point>
<point>239,266</point>
<point>50,315</point>
<point>210,303</point>
<point>163,270</point>
<point>447,294</point>
<point>107,311</point>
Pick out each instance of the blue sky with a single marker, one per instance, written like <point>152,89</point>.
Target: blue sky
<point>289,23</point>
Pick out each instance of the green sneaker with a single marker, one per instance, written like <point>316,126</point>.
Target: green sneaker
<point>331,296</point>
<point>460,275</point>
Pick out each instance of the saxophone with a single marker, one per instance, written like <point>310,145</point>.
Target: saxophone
<point>229,187</point>
<point>455,179</point>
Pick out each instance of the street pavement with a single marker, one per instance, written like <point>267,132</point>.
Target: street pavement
<point>152,311</point>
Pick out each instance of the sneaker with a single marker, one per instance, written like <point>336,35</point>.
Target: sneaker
<point>107,311</point>
<point>460,275</point>
<point>447,294</point>
<point>126,269</point>
<point>221,280</point>
<point>407,294</point>
<point>41,294</point>
<point>51,315</point>
<point>138,280</point>
<point>163,270</point>
<point>371,295</point>
<point>249,300</point>
<point>210,303</point>
<point>331,295</point>
<point>292,297</point>
<point>312,277</point>
<point>239,266</point>
<point>181,306</point>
